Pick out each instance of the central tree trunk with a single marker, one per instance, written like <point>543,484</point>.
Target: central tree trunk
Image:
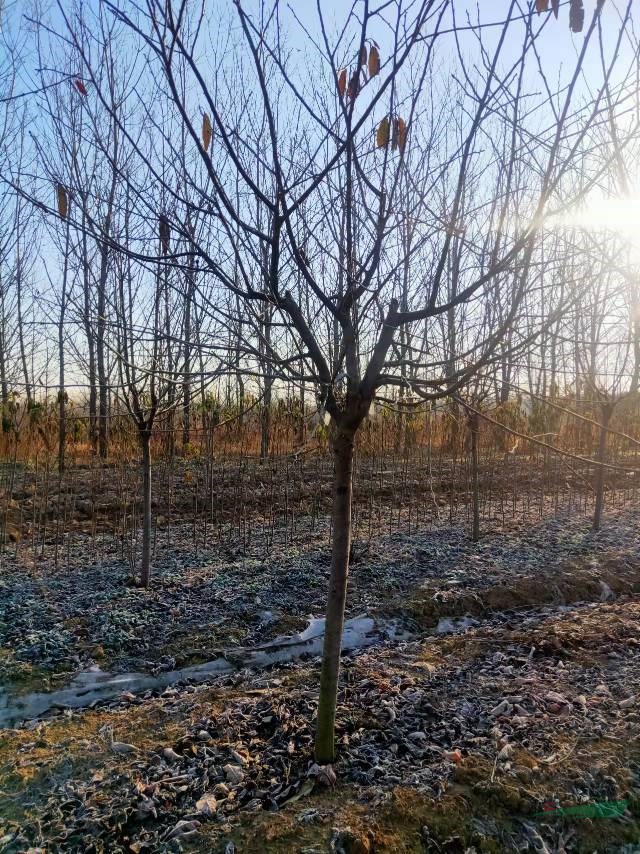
<point>343,444</point>
<point>145,564</point>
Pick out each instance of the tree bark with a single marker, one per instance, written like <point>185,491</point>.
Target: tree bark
<point>145,563</point>
<point>343,445</point>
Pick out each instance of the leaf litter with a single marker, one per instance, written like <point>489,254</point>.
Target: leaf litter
<point>504,713</point>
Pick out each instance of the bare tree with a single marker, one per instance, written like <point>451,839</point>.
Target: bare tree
<point>315,171</point>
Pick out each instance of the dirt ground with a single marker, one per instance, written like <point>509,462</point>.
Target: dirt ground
<point>513,699</point>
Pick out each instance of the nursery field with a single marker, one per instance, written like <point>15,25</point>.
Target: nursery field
<point>484,685</point>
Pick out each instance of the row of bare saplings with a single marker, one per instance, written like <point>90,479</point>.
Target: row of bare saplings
<point>238,428</point>
<point>413,470</point>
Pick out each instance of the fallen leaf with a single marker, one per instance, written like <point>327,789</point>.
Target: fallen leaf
<point>233,774</point>
<point>184,829</point>
<point>170,755</point>
<point>324,774</point>
<point>207,805</point>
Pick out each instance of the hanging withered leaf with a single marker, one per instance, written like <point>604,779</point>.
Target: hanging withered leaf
<point>342,82</point>
<point>354,84</point>
<point>555,6</point>
<point>382,133</point>
<point>576,16</point>
<point>63,201</point>
<point>164,233</point>
<point>207,131</point>
<point>542,6</point>
<point>374,61</point>
<point>362,60</point>
<point>399,139</point>
<point>80,86</point>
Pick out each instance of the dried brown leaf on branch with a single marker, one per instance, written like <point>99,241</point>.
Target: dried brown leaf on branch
<point>399,134</point>
<point>576,16</point>
<point>382,133</point>
<point>164,233</point>
<point>342,82</point>
<point>555,6</point>
<point>542,6</point>
<point>363,55</point>
<point>63,201</point>
<point>207,131</point>
<point>374,61</point>
<point>354,84</point>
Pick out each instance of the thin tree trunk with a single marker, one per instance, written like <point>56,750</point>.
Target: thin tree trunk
<point>607,411</point>
<point>169,355</point>
<point>635,377</point>
<point>101,356</point>
<point>343,444</point>
<point>145,564</point>
<point>302,424</point>
<point>238,367</point>
<point>62,394</point>
<point>474,428</point>
<point>265,420</point>
<point>4,386</point>
<point>186,383</point>
<point>21,343</point>
<point>91,344</point>
<point>103,391</point>
<point>62,415</point>
<point>505,372</point>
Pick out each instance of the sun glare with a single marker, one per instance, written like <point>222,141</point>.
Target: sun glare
<point>619,214</point>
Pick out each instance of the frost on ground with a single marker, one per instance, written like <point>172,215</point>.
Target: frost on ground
<point>56,622</point>
<point>462,740</point>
